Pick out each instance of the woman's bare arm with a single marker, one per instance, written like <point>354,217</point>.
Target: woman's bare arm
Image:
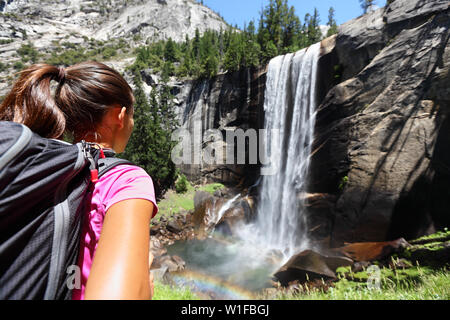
<point>120,269</point>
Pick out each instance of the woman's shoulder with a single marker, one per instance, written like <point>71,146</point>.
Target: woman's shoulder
<point>126,182</point>
<point>124,171</point>
<point>124,176</point>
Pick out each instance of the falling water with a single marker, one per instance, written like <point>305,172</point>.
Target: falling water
<point>290,108</point>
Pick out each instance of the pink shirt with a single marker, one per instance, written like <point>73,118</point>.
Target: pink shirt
<point>123,182</point>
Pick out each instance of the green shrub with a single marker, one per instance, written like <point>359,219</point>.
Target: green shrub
<point>18,66</point>
<point>181,186</point>
<point>343,183</point>
<point>109,52</point>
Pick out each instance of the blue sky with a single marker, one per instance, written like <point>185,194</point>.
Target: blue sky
<point>241,11</point>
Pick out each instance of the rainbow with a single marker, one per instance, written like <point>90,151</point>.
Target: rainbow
<point>210,288</point>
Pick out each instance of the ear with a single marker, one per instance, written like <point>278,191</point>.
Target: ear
<point>121,117</point>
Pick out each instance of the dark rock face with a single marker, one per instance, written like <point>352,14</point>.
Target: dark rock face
<point>226,102</point>
<point>381,132</point>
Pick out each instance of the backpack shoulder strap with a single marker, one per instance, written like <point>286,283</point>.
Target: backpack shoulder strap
<point>108,163</point>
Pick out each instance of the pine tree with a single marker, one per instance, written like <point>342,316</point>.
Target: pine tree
<point>211,66</point>
<point>196,45</point>
<point>170,51</point>
<point>366,4</point>
<point>252,49</point>
<point>233,55</point>
<point>331,23</point>
<point>313,29</point>
<point>291,31</point>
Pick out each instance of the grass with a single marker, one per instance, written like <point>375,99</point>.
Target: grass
<point>167,292</point>
<point>431,285</point>
<point>418,283</point>
<point>174,203</point>
<point>435,237</point>
<point>211,188</point>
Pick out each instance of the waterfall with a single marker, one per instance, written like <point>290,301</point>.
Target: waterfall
<point>214,217</point>
<point>290,107</point>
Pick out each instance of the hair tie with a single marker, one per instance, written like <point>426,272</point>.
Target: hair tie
<point>61,74</point>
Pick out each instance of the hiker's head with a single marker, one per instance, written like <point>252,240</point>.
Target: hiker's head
<point>88,100</point>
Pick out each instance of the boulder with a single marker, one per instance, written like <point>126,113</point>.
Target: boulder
<point>430,250</point>
<point>174,226</point>
<point>156,248</point>
<point>240,213</point>
<point>205,213</point>
<point>159,274</point>
<point>437,254</point>
<point>309,265</point>
<point>200,198</point>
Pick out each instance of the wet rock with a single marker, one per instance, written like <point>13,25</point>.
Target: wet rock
<point>179,261</point>
<point>200,198</point>
<point>219,193</point>
<point>157,248</point>
<point>172,263</point>
<point>159,273</point>
<point>174,226</point>
<point>239,213</point>
<point>309,265</point>
<point>204,218</point>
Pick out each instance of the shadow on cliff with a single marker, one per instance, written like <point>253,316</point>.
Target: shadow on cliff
<point>423,202</point>
<point>369,213</point>
<point>423,208</point>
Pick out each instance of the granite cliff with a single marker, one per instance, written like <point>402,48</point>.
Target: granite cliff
<point>381,159</point>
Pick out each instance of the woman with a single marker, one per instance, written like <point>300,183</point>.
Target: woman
<point>93,102</point>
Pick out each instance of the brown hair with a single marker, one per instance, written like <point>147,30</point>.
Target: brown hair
<point>84,93</point>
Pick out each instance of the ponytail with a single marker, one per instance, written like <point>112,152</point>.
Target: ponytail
<point>31,102</point>
<point>84,94</point>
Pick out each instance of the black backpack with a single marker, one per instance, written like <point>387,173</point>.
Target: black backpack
<point>44,185</point>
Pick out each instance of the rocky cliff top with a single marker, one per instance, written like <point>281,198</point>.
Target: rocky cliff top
<point>105,19</point>
<point>52,28</point>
